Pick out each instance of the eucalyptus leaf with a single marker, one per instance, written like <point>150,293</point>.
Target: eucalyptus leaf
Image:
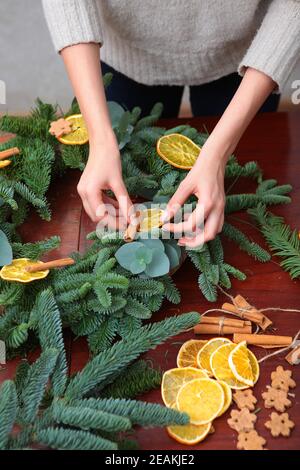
<point>159,266</point>
<point>6,254</point>
<point>175,245</point>
<point>172,255</point>
<point>127,253</point>
<point>144,254</point>
<point>116,112</point>
<point>137,266</point>
<point>153,244</point>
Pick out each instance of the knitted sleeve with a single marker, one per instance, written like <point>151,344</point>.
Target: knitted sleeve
<point>73,21</point>
<point>276,46</point>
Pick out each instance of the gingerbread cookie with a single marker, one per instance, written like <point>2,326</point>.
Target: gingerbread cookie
<point>60,127</point>
<point>282,379</point>
<point>245,399</point>
<point>250,441</point>
<point>280,424</point>
<point>275,398</point>
<point>242,420</point>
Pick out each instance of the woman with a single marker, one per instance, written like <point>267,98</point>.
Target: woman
<point>156,47</point>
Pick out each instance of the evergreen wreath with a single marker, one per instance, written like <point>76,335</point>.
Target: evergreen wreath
<point>98,298</point>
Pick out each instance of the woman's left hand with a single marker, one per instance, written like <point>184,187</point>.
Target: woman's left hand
<point>206,182</point>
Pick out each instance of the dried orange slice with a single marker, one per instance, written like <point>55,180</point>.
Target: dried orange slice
<point>150,219</point>
<point>203,357</point>
<point>189,434</point>
<point>220,367</point>
<point>187,355</point>
<point>173,380</point>
<point>227,397</point>
<point>244,364</point>
<point>79,134</point>
<point>201,399</point>
<point>178,150</point>
<point>4,163</point>
<point>16,271</point>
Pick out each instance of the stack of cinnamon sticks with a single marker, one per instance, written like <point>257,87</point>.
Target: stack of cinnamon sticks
<point>222,326</point>
<point>243,309</point>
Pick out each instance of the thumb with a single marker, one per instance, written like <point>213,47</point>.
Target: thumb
<point>176,201</point>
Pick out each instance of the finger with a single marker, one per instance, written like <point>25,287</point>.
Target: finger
<point>193,242</point>
<point>113,223</point>
<point>123,199</point>
<point>187,228</point>
<point>87,208</point>
<point>211,226</point>
<point>109,200</point>
<point>220,228</point>
<point>94,199</point>
<point>175,203</point>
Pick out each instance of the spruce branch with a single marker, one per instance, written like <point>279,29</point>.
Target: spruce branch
<point>281,239</point>
<point>107,363</point>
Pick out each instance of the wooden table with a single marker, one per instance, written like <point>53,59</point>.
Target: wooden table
<point>274,141</point>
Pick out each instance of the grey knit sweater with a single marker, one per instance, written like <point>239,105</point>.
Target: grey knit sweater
<point>182,42</point>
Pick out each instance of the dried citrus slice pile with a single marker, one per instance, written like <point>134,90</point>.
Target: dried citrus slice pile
<point>190,434</point>
<point>4,163</point>
<point>202,399</point>
<point>227,397</point>
<point>173,380</point>
<point>244,364</point>
<point>205,353</point>
<point>231,366</point>
<point>235,365</point>
<point>16,271</point>
<point>178,150</point>
<point>187,355</point>
<point>79,134</point>
<point>150,219</point>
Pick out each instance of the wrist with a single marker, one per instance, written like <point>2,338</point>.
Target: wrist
<point>214,155</point>
<point>103,140</point>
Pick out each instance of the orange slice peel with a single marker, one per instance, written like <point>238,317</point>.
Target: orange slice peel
<point>178,150</point>
<point>79,134</point>
<point>16,271</point>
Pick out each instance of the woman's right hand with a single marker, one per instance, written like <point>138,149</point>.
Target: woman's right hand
<point>104,172</point>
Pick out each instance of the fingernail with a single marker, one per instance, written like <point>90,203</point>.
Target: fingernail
<point>165,217</point>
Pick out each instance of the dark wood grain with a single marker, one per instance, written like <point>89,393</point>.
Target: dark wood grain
<point>272,140</point>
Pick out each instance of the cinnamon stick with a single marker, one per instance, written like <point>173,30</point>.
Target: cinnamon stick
<point>9,153</point>
<point>57,263</point>
<point>263,340</point>
<point>207,329</point>
<point>225,321</point>
<point>132,229</point>
<point>249,315</point>
<point>242,303</point>
<point>293,356</point>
